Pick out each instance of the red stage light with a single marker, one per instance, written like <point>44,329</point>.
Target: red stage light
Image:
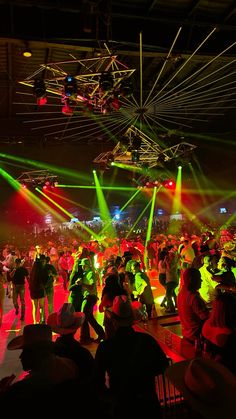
<point>169,184</point>
<point>42,101</point>
<point>66,110</point>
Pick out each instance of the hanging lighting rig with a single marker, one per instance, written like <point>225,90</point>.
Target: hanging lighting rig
<point>136,148</point>
<point>97,84</point>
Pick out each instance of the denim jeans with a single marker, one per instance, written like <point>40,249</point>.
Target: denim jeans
<point>87,307</point>
<point>19,290</point>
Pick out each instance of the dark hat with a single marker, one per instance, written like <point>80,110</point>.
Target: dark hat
<point>124,311</point>
<point>32,333</point>
<point>208,386</point>
<point>65,320</point>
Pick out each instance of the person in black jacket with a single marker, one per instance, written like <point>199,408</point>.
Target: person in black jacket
<point>75,288</point>
<point>18,276</point>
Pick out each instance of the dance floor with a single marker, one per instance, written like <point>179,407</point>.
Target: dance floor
<point>12,326</point>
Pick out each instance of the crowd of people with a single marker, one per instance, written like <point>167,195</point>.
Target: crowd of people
<point>198,274</point>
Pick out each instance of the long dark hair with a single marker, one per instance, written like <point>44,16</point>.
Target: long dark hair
<point>112,287</point>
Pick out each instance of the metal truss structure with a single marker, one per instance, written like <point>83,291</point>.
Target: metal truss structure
<point>37,178</point>
<point>87,73</point>
<point>150,153</point>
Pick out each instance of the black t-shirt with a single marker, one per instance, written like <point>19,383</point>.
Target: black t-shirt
<point>19,276</point>
<point>132,361</point>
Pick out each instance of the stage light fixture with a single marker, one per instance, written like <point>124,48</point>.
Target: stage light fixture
<point>106,82</point>
<point>110,159</point>
<point>169,184</point>
<point>135,156</point>
<point>40,92</point>
<point>39,88</point>
<point>71,89</point>
<point>67,109</point>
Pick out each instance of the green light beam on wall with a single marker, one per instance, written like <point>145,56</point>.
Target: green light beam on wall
<point>196,180</point>
<point>108,188</point>
<point>191,216</point>
<point>13,182</point>
<point>41,207</point>
<point>214,204</point>
<point>103,208</point>
<point>129,167</point>
<point>177,195</point>
<point>69,215</point>
<point>138,219</point>
<point>63,198</point>
<point>40,165</point>
<point>230,220</point>
<point>150,220</point>
<point>32,198</point>
<point>123,207</point>
<point>213,192</point>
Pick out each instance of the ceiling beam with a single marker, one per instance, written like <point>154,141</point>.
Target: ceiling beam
<point>192,9</point>
<point>230,11</point>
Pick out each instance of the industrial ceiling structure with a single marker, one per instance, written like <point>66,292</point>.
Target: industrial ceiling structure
<point>178,57</point>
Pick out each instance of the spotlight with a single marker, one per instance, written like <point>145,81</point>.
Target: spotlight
<point>27,53</point>
<point>135,156</point>
<point>110,159</point>
<point>40,92</point>
<point>106,82</point>
<point>169,184</point>
<point>70,86</point>
<point>67,109</point>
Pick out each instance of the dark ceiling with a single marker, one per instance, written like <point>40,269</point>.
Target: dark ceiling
<point>193,75</point>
